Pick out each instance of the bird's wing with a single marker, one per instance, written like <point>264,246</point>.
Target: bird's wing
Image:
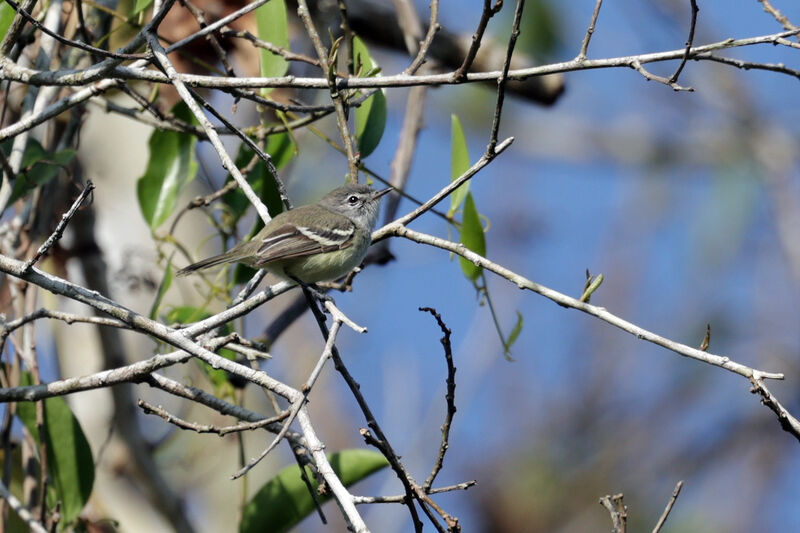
<point>290,241</point>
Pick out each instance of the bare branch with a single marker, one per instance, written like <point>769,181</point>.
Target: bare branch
<point>11,71</point>
<point>617,510</point>
<point>157,410</point>
<point>62,225</point>
<point>569,302</point>
<point>450,398</point>
<point>689,41</point>
<point>589,31</point>
<point>501,81</point>
<point>788,422</point>
<point>488,12</point>
<point>22,511</point>
<point>663,518</point>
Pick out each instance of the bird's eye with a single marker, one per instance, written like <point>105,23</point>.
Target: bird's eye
<point>353,200</point>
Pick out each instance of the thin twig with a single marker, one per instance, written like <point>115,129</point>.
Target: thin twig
<point>11,71</point>
<point>422,52</point>
<point>485,159</point>
<point>401,498</point>
<point>298,403</point>
<point>689,42</point>
<point>649,76</point>
<point>199,16</point>
<point>450,398</point>
<point>789,423</point>
<point>217,24</point>
<point>355,390</point>
<point>22,511</point>
<point>264,156</point>
<point>132,373</point>
<point>488,12</point>
<point>501,81</point>
<point>780,17</point>
<point>663,518</point>
<point>616,508</point>
<point>158,410</point>
<point>69,318</point>
<point>574,303</point>
<point>288,55</point>
<point>589,32</point>
<point>62,225</point>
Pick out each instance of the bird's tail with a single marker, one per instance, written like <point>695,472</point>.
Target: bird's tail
<point>231,256</point>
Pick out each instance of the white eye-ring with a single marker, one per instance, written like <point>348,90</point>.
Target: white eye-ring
<point>353,200</point>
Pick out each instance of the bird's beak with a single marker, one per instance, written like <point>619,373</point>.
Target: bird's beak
<point>378,194</point>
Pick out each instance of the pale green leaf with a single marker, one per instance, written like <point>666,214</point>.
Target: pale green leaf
<point>472,237</point>
<point>459,163</point>
<point>371,114</point>
<point>273,27</point>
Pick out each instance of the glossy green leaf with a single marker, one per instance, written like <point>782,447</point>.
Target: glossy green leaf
<point>273,27</point>
<point>69,457</point>
<point>459,163</point>
<point>281,148</point>
<point>6,17</point>
<point>371,114</point>
<point>472,237</point>
<point>284,500</point>
<point>38,167</point>
<point>171,166</point>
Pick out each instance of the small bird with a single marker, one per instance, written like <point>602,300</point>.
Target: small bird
<point>311,243</point>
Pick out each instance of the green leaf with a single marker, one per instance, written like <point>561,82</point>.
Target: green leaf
<point>281,148</point>
<point>472,237</point>
<point>38,167</point>
<point>371,114</point>
<point>171,166</point>
<point>273,27</point>
<point>459,163</point>
<point>512,337</point>
<point>166,282</point>
<point>69,457</point>
<point>284,500</point>
<point>140,5</point>
<point>6,17</point>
